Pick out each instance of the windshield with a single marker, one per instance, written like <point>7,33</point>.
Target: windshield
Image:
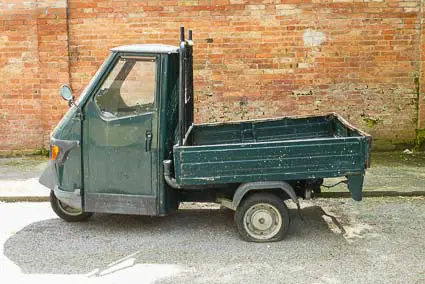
<point>96,75</point>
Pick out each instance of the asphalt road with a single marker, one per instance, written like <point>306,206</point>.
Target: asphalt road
<point>379,240</point>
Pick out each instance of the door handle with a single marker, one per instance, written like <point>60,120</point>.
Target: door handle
<point>148,141</point>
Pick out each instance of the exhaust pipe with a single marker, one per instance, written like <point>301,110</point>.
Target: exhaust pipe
<point>167,175</point>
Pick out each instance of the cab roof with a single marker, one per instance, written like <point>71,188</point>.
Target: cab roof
<point>147,48</point>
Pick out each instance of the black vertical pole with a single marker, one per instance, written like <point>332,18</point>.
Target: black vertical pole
<point>181,34</point>
<point>190,95</point>
<point>182,74</point>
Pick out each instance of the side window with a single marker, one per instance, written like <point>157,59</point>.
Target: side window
<point>129,88</point>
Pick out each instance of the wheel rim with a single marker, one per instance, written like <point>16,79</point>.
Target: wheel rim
<point>262,221</point>
<point>68,209</point>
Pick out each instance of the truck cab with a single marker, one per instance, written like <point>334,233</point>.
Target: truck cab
<point>129,145</point>
<point>109,143</point>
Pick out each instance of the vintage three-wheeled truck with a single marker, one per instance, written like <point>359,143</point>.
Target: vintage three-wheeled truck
<point>129,145</point>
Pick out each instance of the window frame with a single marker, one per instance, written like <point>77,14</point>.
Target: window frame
<point>140,56</point>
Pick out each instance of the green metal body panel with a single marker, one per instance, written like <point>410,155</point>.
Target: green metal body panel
<point>115,157</point>
<point>271,150</point>
<point>168,198</point>
<point>115,160</point>
<point>118,169</point>
<point>69,173</point>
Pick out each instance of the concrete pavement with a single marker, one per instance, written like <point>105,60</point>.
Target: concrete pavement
<point>19,179</point>
<point>391,174</point>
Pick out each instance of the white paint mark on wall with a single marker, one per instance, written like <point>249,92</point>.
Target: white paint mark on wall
<point>313,38</point>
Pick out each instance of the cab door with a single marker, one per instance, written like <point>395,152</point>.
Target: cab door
<point>119,137</point>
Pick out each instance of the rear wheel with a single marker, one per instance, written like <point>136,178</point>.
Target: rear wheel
<point>262,217</point>
<point>67,212</point>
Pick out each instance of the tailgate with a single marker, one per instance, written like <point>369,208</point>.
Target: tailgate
<point>343,128</point>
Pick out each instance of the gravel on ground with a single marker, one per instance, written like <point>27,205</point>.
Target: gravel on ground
<point>378,240</point>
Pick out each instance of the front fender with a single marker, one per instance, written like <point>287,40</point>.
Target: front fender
<point>49,177</point>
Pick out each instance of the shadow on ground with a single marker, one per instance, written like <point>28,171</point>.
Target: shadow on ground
<point>186,237</point>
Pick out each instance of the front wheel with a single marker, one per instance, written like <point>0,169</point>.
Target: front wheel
<point>262,217</point>
<point>67,212</point>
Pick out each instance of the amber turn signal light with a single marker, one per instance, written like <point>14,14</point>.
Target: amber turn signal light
<point>54,151</point>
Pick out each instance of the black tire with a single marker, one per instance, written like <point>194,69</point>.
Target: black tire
<point>274,212</point>
<point>64,211</point>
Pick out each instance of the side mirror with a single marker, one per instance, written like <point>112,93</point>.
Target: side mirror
<point>66,93</point>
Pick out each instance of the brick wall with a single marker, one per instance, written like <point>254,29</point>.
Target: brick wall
<point>20,101</point>
<point>253,59</point>
<point>53,61</point>
<point>421,91</point>
<point>33,64</point>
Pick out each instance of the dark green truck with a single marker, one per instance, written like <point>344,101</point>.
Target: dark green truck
<point>129,145</point>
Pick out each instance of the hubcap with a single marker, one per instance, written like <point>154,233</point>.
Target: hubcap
<point>68,209</point>
<point>262,221</point>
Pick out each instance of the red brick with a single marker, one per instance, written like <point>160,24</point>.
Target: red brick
<point>258,56</point>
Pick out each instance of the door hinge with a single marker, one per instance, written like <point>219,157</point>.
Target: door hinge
<point>79,115</point>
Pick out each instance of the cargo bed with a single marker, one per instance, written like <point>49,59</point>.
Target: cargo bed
<point>283,149</point>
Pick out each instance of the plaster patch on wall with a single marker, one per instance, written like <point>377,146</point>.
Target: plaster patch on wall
<point>57,4</point>
<point>11,67</point>
<point>287,10</point>
<point>313,38</point>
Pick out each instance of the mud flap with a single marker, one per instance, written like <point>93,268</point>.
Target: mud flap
<point>355,185</point>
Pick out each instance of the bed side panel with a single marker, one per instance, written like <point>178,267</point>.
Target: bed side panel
<point>285,160</point>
